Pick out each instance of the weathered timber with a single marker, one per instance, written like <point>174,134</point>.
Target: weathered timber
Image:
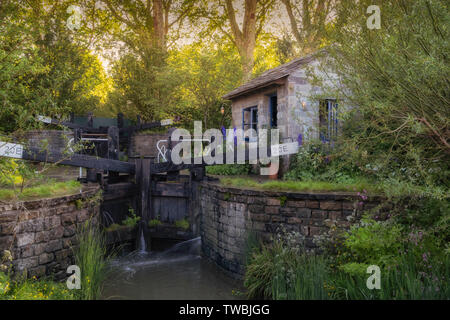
<point>93,162</point>
<point>77,160</point>
<point>143,179</point>
<point>167,189</point>
<point>90,129</point>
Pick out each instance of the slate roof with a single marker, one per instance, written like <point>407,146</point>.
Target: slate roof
<point>269,76</point>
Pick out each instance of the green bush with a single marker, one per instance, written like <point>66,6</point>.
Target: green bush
<point>411,265</point>
<point>131,220</point>
<point>373,242</point>
<point>316,161</point>
<point>403,281</point>
<point>229,169</point>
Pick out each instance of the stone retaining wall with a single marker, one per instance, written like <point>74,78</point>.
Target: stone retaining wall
<point>40,233</point>
<point>230,215</point>
<point>54,139</point>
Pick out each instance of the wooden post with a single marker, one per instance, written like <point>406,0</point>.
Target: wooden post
<point>143,180</point>
<point>171,175</point>
<point>91,174</point>
<point>120,120</point>
<point>72,117</point>
<point>113,143</point>
<point>138,122</point>
<point>113,150</point>
<point>90,120</point>
<point>76,139</point>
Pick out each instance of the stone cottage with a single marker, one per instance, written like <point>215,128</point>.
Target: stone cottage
<point>283,98</point>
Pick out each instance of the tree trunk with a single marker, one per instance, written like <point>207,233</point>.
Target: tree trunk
<point>158,24</point>
<point>245,40</point>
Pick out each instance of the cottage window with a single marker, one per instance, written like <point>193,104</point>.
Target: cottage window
<point>250,119</point>
<point>328,118</point>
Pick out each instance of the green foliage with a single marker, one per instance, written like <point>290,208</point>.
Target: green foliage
<point>113,227</point>
<point>92,258</point>
<point>79,204</point>
<point>283,200</point>
<point>142,84</point>
<point>209,69</point>
<point>405,281</point>
<point>183,224</point>
<point>259,274</point>
<point>398,79</point>
<point>44,68</point>
<point>229,169</point>
<point>284,270</point>
<point>374,242</point>
<point>22,288</point>
<point>299,185</point>
<point>316,161</point>
<point>301,278</point>
<point>52,189</point>
<point>33,289</point>
<point>154,222</point>
<point>131,220</point>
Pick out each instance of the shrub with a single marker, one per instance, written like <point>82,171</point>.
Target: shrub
<point>229,169</point>
<point>131,220</point>
<point>373,242</point>
<point>400,282</point>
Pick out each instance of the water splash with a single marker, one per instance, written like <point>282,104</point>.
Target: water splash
<point>142,248</point>
<point>191,247</point>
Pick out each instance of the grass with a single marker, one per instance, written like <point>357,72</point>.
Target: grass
<point>300,186</point>
<point>52,189</point>
<point>277,272</point>
<point>92,258</point>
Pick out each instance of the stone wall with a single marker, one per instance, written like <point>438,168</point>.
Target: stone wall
<point>40,233</point>
<point>55,139</point>
<point>230,215</point>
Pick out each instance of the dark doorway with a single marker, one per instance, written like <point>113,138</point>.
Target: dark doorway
<point>273,110</point>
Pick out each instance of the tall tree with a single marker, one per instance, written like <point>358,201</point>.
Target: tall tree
<point>223,16</point>
<point>308,20</point>
<point>150,21</point>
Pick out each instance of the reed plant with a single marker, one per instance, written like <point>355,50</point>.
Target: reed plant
<point>91,256</point>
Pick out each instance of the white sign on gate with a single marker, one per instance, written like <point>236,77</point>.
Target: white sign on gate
<point>11,150</point>
<point>166,122</point>
<point>44,119</point>
<point>284,149</point>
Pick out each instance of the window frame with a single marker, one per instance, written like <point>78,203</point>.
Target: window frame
<point>252,110</point>
<point>331,122</point>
